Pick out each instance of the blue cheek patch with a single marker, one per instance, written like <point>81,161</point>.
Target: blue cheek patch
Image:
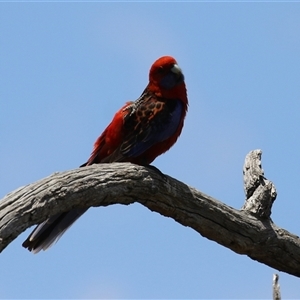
<point>168,81</point>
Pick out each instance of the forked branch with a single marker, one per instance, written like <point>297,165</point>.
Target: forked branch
<point>125,183</point>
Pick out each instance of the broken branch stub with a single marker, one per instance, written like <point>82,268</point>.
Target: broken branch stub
<point>260,192</point>
<point>276,287</point>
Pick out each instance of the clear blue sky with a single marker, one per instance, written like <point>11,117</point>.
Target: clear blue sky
<point>65,68</point>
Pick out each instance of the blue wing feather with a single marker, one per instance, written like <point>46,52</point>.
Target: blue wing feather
<point>151,123</point>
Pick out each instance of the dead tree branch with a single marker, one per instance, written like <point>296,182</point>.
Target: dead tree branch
<point>125,183</point>
<point>276,287</point>
<point>260,192</point>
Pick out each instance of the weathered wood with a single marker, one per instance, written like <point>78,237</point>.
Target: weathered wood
<point>260,192</point>
<point>125,183</point>
<point>276,287</point>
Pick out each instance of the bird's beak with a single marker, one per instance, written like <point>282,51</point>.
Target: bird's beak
<point>176,70</point>
<point>178,73</point>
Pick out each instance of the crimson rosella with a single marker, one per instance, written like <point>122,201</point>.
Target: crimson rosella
<point>139,132</point>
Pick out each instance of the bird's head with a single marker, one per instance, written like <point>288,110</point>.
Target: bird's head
<point>166,79</point>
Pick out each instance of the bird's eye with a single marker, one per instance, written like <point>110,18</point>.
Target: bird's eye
<point>160,69</point>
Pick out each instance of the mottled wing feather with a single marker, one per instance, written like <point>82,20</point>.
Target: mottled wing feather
<point>146,122</point>
<point>151,121</point>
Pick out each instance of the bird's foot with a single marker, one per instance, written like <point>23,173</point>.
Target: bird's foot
<point>156,170</point>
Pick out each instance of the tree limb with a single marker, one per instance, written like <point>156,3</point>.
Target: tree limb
<point>276,287</point>
<point>260,192</point>
<point>125,183</point>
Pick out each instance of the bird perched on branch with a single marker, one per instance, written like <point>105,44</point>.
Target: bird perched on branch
<point>139,132</point>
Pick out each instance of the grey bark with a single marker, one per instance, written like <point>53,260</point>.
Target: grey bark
<point>125,183</point>
<point>260,192</point>
<point>276,287</point>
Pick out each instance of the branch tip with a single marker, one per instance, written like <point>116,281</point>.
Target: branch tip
<point>260,192</point>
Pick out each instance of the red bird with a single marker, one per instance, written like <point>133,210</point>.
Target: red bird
<point>139,132</point>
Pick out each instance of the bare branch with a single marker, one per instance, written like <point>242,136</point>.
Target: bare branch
<point>125,183</point>
<point>276,287</point>
<point>260,192</point>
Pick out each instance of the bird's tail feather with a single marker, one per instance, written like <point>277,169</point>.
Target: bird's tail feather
<point>48,232</point>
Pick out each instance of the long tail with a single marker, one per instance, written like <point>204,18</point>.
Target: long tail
<point>48,232</point>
